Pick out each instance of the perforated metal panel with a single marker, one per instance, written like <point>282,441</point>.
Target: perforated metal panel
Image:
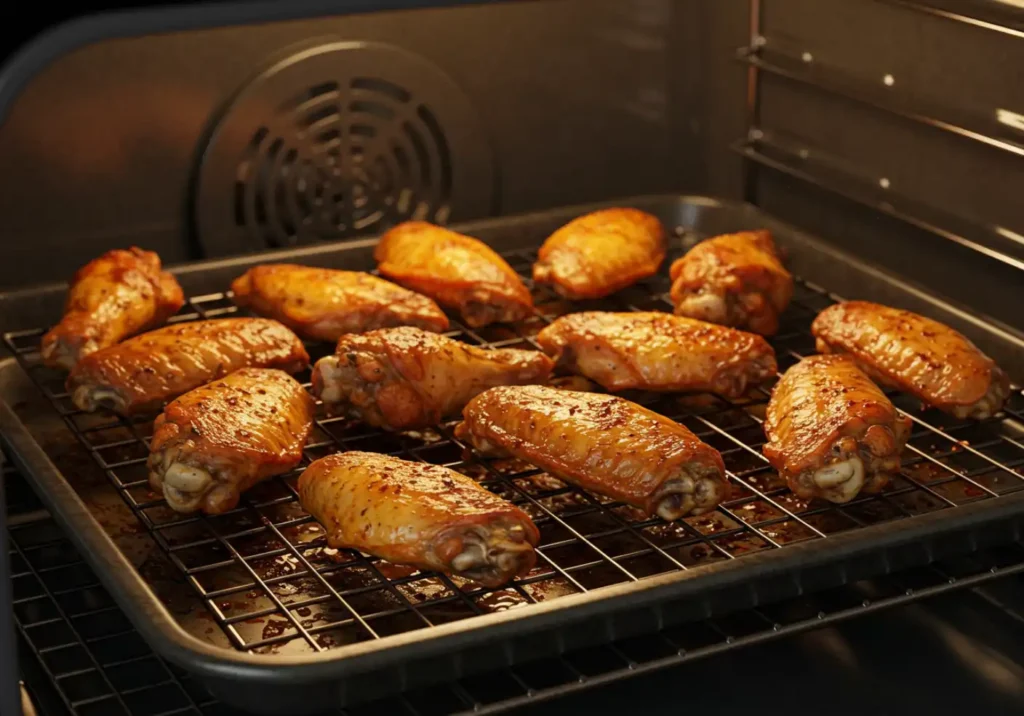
<point>336,140</point>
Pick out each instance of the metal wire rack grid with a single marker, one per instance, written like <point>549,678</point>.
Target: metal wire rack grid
<point>264,572</point>
<point>87,652</point>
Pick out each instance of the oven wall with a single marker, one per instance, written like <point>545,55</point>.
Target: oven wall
<point>894,128</point>
<point>544,103</point>
<point>559,102</point>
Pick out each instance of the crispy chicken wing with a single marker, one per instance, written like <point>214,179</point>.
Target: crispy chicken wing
<point>324,304</point>
<point>735,280</point>
<point>658,351</point>
<point>915,354</point>
<point>601,443</point>
<point>419,514</point>
<point>215,442</point>
<point>832,433</point>
<point>600,253</point>
<point>457,271</point>
<point>405,378</point>
<point>145,372</point>
<point>112,297</point>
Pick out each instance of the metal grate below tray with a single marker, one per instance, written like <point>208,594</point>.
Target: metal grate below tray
<point>85,652</point>
<point>272,585</point>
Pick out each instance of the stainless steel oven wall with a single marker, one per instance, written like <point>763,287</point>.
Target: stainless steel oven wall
<point>896,128</point>
<point>228,140</point>
<point>892,127</point>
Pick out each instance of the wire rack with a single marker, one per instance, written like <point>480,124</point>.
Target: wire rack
<point>271,584</point>
<point>86,657</point>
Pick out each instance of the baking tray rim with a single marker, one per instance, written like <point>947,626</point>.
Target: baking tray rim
<point>169,639</point>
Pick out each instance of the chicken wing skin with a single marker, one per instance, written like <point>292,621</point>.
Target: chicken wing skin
<point>112,297</point>
<point>831,432</point>
<point>600,253</point>
<point>325,304</point>
<point>601,443</point>
<point>145,372</point>
<point>659,352</point>
<point>418,514</point>
<point>735,280</point>
<point>405,378</point>
<point>457,271</point>
<point>915,354</point>
<point>215,442</point>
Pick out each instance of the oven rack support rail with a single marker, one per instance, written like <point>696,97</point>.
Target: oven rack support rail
<point>762,148</point>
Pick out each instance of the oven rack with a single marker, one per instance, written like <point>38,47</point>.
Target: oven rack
<point>273,589</point>
<point>85,656</point>
<point>950,462</point>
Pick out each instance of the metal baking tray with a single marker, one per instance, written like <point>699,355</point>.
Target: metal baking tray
<point>272,621</point>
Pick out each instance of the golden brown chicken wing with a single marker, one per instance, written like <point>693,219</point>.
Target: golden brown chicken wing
<point>324,304</point>
<point>459,272</point>
<point>419,514</point>
<point>600,253</point>
<point>832,433</point>
<point>215,442</point>
<point>915,354</point>
<point>111,298</point>
<point>735,280</point>
<point>658,351</point>
<point>405,378</point>
<point>145,372</point>
<point>601,443</point>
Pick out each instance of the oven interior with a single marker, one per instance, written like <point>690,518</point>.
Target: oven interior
<point>215,133</point>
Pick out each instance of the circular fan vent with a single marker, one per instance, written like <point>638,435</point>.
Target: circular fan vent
<point>340,140</point>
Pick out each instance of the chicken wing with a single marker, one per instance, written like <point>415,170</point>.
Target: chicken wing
<point>457,271</point>
<point>735,280</point>
<point>112,297</point>
<point>658,351</point>
<point>405,378</point>
<point>832,433</point>
<point>215,442</point>
<point>145,372</point>
<point>419,514</point>
<point>324,304</point>
<point>600,253</point>
<point>915,354</point>
<point>601,443</point>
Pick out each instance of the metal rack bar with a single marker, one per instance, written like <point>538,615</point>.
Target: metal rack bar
<point>973,14</point>
<point>753,103</point>
<point>833,82</point>
<point>762,150</point>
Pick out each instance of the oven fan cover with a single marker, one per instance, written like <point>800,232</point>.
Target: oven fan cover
<point>338,140</point>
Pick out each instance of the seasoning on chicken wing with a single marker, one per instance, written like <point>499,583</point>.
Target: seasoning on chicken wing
<point>324,304</point>
<point>423,515</point>
<point>112,297</point>
<point>405,378</point>
<point>600,253</point>
<point>601,443</point>
<point>457,271</point>
<point>832,433</point>
<point>658,351</point>
<point>915,354</point>
<point>143,373</point>
<point>215,442</point>
<point>735,280</point>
